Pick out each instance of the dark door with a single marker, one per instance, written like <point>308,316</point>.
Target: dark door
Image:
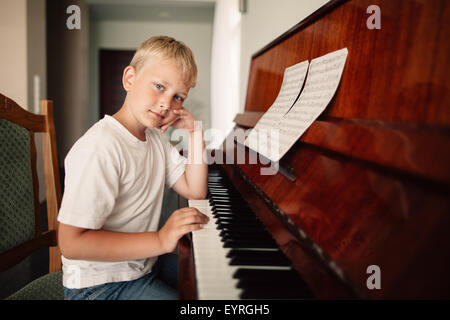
<point>112,93</point>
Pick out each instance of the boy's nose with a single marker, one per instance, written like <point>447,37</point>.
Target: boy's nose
<point>164,105</point>
<point>163,108</point>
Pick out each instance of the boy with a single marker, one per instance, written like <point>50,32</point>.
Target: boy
<point>115,176</point>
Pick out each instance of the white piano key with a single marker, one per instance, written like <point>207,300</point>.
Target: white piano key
<point>213,274</point>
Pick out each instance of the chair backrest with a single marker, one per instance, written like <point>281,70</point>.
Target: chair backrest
<point>20,219</point>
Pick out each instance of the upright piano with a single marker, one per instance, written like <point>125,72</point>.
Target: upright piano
<point>360,206</point>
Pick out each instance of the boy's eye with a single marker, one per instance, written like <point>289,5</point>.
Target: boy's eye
<point>178,98</point>
<point>159,86</point>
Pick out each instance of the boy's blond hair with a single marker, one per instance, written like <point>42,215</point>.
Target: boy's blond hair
<point>167,48</point>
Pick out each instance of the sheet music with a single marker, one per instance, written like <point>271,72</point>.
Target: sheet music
<point>293,79</point>
<point>323,79</point>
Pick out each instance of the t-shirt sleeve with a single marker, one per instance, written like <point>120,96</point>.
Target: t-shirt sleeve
<point>175,163</point>
<point>91,187</point>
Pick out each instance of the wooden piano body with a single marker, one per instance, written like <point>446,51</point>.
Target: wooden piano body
<point>372,174</point>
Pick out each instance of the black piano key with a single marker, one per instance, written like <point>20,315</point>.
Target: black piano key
<point>235,221</point>
<point>269,243</point>
<point>272,287</point>
<point>263,279</point>
<point>228,202</point>
<point>238,227</point>
<point>231,217</point>
<point>233,210</point>
<point>248,243</point>
<point>238,220</point>
<point>272,284</point>
<point>222,191</point>
<point>231,206</point>
<point>276,293</point>
<point>226,233</point>
<point>261,274</point>
<point>241,229</point>
<point>235,217</point>
<point>225,199</point>
<point>250,237</point>
<point>237,224</point>
<point>257,258</point>
<point>240,211</point>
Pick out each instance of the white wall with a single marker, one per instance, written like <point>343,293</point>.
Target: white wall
<point>13,55</point>
<point>36,46</point>
<point>265,21</point>
<point>130,34</point>
<point>22,34</point>
<point>225,69</point>
<point>37,67</point>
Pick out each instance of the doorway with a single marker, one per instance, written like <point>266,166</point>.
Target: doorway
<point>112,93</point>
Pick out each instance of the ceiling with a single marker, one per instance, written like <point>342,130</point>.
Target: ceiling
<point>145,10</point>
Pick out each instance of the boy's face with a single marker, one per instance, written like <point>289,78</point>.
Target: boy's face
<point>153,92</point>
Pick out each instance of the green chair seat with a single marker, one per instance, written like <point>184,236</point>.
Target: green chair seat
<point>47,287</point>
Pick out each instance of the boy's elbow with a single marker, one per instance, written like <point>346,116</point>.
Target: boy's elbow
<point>65,248</point>
<point>199,195</point>
<point>67,241</point>
<point>204,194</point>
<point>65,252</point>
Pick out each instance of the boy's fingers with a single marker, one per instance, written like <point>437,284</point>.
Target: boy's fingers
<point>188,209</point>
<point>167,125</point>
<point>181,112</point>
<point>191,213</point>
<point>194,219</point>
<point>191,227</point>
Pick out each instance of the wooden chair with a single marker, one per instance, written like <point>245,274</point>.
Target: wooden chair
<point>20,220</point>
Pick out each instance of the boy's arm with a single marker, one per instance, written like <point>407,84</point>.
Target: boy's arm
<point>193,184</point>
<point>104,245</point>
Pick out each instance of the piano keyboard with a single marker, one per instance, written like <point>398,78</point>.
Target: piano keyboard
<point>234,256</point>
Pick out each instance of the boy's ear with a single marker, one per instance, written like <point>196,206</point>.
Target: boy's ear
<point>129,74</point>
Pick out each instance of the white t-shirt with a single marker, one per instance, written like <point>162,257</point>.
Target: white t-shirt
<point>115,181</point>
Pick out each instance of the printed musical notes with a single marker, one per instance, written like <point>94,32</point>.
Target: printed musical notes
<point>324,75</point>
<point>283,126</point>
<point>293,79</point>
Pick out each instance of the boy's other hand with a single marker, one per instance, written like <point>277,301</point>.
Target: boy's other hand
<point>184,120</point>
<point>181,222</point>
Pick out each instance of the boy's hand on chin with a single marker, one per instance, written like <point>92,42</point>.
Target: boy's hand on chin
<point>184,120</point>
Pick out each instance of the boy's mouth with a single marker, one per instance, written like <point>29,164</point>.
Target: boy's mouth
<point>157,114</point>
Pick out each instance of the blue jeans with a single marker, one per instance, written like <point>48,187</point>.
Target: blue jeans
<point>160,284</point>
